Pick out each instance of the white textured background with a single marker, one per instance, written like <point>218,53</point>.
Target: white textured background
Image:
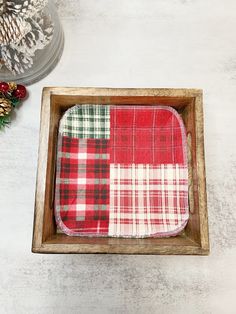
<point>129,43</point>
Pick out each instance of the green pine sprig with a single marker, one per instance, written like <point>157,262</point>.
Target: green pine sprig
<point>5,121</point>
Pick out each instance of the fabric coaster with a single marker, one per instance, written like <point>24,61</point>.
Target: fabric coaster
<point>121,172</point>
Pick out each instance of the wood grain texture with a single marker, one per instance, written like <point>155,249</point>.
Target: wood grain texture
<point>203,217</point>
<point>41,171</point>
<point>188,102</point>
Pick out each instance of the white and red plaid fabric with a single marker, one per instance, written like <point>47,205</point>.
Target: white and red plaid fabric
<point>147,200</point>
<point>127,178</point>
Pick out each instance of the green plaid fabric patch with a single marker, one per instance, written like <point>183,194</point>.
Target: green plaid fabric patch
<point>86,121</point>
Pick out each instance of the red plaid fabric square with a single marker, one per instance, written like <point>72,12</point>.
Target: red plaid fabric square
<point>148,200</point>
<point>151,135</point>
<point>82,186</point>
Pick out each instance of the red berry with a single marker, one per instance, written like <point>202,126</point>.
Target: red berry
<point>4,87</point>
<point>20,92</point>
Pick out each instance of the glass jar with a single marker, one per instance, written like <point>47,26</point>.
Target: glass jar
<point>31,40</point>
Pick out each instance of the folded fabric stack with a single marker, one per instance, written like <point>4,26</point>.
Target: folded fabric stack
<point>121,172</point>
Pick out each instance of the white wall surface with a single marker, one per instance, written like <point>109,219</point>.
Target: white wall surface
<point>129,43</point>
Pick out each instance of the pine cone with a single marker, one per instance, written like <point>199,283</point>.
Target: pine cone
<point>12,29</point>
<point>24,29</point>
<point>12,86</point>
<point>5,107</point>
<point>25,9</point>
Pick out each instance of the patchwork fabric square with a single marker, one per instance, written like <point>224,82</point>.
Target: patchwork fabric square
<point>121,172</point>
<point>150,135</point>
<point>87,121</point>
<point>147,200</point>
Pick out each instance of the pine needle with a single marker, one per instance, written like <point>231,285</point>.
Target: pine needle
<point>4,121</point>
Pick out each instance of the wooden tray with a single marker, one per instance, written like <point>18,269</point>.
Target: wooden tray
<point>55,101</point>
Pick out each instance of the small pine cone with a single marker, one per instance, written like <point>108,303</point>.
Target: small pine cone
<point>5,107</point>
<point>12,86</point>
<point>12,29</point>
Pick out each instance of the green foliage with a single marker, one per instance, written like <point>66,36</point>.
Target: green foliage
<point>4,121</point>
<point>14,101</point>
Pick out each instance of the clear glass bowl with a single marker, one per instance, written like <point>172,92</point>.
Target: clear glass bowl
<point>44,58</point>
